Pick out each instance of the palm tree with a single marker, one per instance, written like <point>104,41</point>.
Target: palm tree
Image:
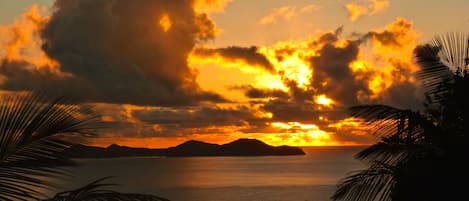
<point>34,131</point>
<point>94,192</point>
<point>421,155</point>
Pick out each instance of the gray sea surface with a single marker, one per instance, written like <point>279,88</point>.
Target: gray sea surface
<point>310,177</point>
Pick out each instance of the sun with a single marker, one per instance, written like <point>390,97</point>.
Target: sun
<point>298,134</point>
<point>323,100</point>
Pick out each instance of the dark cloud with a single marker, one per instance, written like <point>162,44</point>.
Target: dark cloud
<point>331,66</point>
<point>298,94</point>
<point>390,37</point>
<point>385,37</point>
<point>197,117</point>
<point>253,92</point>
<point>135,121</point>
<point>189,120</point>
<point>406,95</point>
<point>296,105</point>
<point>403,91</point>
<point>116,51</point>
<point>428,53</point>
<point>185,121</point>
<point>288,111</point>
<point>281,53</point>
<point>21,75</point>
<point>246,54</point>
<point>403,94</point>
<point>328,38</point>
<point>354,136</point>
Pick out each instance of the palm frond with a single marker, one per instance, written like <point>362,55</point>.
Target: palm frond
<point>413,142</point>
<point>374,183</point>
<point>389,152</point>
<point>404,133</point>
<point>395,152</point>
<point>376,112</point>
<point>387,121</point>
<point>440,62</point>
<point>95,192</point>
<point>384,120</point>
<point>454,49</point>
<point>433,72</point>
<point>32,137</point>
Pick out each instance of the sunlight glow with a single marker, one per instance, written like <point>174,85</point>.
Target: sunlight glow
<point>385,62</point>
<point>261,78</point>
<point>298,134</point>
<point>261,114</point>
<point>270,82</point>
<point>290,59</point>
<point>165,23</point>
<point>348,122</point>
<point>323,100</point>
<point>210,6</point>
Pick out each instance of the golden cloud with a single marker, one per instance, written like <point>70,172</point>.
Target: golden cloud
<point>134,53</point>
<point>210,6</point>
<point>325,73</point>
<point>165,22</point>
<point>314,65</point>
<point>390,61</point>
<point>286,13</point>
<point>294,91</point>
<point>368,7</point>
<point>20,41</point>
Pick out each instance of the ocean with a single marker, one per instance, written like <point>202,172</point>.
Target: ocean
<point>311,177</point>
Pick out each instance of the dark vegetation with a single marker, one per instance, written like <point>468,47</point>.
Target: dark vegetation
<point>34,132</point>
<point>112,151</point>
<point>422,155</point>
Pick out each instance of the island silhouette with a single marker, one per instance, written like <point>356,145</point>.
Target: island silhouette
<point>191,148</point>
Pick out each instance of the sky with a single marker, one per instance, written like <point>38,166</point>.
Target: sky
<point>283,71</point>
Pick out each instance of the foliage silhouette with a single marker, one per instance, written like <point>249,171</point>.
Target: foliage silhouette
<point>34,131</point>
<point>94,192</point>
<point>421,155</point>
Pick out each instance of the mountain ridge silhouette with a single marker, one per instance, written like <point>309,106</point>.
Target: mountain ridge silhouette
<point>190,148</point>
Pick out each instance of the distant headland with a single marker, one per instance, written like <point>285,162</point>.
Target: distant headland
<point>240,147</point>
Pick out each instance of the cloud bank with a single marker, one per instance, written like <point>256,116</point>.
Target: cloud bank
<point>356,9</point>
<point>138,63</point>
<point>118,52</point>
<point>286,13</point>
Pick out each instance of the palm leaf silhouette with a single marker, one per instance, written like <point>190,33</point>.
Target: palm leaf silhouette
<point>373,183</point>
<point>32,132</point>
<point>402,133</point>
<point>454,49</point>
<point>95,192</point>
<point>442,60</point>
<point>418,151</point>
<point>384,120</point>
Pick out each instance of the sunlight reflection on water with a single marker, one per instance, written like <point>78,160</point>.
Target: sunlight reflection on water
<point>308,177</point>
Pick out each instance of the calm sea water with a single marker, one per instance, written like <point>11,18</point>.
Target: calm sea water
<point>311,177</point>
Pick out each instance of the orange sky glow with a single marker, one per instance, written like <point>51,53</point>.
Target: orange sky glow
<point>291,88</point>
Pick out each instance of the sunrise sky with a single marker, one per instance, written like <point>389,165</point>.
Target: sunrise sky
<point>162,72</point>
